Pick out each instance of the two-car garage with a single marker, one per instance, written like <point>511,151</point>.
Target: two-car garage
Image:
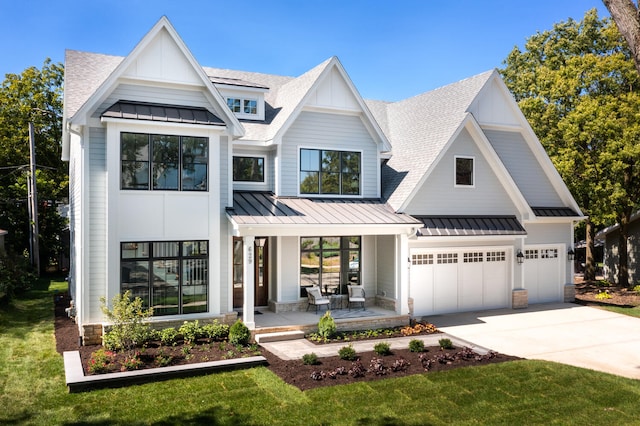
<point>469,279</point>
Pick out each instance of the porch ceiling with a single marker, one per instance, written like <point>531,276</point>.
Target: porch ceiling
<point>265,209</point>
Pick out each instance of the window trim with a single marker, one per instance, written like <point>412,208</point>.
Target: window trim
<point>243,100</point>
<point>326,195</point>
<point>455,171</point>
<point>250,182</point>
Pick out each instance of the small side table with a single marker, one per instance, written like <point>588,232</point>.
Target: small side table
<point>337,301</point>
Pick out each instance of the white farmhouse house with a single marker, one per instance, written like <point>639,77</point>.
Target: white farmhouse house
<point>210,192</point>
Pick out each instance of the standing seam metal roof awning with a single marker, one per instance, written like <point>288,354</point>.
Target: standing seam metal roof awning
<point>164,113</point>
<point>260,208</point>
<point>438,226</point>
<point>554,212</point>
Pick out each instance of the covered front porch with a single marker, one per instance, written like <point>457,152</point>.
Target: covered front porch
<point>282,246</point>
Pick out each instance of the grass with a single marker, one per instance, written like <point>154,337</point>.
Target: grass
<point>532,392</point>
<point>632,311</point>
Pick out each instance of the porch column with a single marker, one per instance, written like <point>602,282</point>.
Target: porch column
<point>402,257</point>
<point>249,282</point>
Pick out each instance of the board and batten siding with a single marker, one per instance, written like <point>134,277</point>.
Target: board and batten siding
<point>440,196</point>
<point>219,297</point>
<point>524,168</point>
<point>290,271</point>
<point>385,265</point>
<point>333,132</point>
<point>96,223</point>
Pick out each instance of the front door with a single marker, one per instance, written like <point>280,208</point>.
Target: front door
<point>261,272</point>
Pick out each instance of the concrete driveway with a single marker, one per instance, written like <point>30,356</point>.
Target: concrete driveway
<point>563,332</point>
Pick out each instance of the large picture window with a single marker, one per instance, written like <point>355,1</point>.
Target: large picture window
<point>163,162</point>
<point>169,276</point>
<point>329,263</point>
<point>329,172</point>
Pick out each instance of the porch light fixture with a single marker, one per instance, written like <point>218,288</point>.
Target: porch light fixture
<point>260,241</point>
<point>520,257</point>
<point>571,255</point>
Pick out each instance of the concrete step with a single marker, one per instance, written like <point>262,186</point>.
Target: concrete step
<point>279,336</point>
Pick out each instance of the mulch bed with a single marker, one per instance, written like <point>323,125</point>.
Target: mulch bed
<point>293,372</point>
<point>586,292</point>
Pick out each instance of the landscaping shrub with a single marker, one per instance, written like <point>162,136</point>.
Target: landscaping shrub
<point>239,334</point>
<point>216,330</point>
<point>169,336</point>
<point>416,345</point>
<point>347,353</point>
<point>310,359</point>
<point>382,348</point>
<point>636,288</point>
<point>100,361</point>
<point>603,295</point>
<point>128,318</point>
<point>445,343</point>
<point>190,331</point>
<point>16,275</point>
<point>327,326</point>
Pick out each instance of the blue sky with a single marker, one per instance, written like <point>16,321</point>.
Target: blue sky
<point>391,49</point>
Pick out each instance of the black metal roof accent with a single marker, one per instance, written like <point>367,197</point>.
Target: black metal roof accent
<point>159,112</point>
<point>554,211</point>
<point>235,82</point>
<point>449,226</point>
<point>253,207</point>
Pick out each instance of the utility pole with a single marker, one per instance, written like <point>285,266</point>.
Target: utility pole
<point>34,232</point>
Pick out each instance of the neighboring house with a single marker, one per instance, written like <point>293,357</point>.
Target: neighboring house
<point>611,237</point>
<point>208,191</point>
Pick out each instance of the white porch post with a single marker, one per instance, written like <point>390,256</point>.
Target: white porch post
<point>402,256</point>
<point>248,285</point>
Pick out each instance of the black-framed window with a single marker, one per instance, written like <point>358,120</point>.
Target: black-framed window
<point>163,162</point>
<point>172,277</point>
<point>329,263</point>
<point>329,172</point>
<point>248,169</point>
<point>464,171</point>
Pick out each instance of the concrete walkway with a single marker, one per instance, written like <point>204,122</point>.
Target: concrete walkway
<point>566,333</point>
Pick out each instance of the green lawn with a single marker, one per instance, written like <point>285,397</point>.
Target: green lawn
<point>631,311</point>
<point>519,392</point>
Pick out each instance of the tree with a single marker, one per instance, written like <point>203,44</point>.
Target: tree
<point>577,86</point>
<point>35,96</point>
<point>626,16</point>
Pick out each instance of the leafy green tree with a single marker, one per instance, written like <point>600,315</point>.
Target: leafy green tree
<point>35,96</point>
<point>578,87</point>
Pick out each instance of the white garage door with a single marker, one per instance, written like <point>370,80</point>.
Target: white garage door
<point>543,274</point>
<point>458,280</point>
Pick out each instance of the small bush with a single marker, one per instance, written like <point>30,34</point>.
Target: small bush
<point>162,359</point>
<point>445,343</point>
<point>310,359</point>
<point>416,345</point>
<point>168,336</point>
<point>347,353</point>
<point>239,334</point>
<point>129,322</point>
<point>216,330</point>
<point>327,326</point>
<point>132,362</point>
<point>100,361</point>
<point>637,288</point>
<point>191,331</point>
<point>382,348</point>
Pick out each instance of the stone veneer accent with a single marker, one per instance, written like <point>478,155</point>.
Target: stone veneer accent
<point>91,334</point>
<point>388,303</point>
<point>569,293</point>
<point>520,298</point>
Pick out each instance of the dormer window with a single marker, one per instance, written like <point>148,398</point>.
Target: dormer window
<point>243,107</point>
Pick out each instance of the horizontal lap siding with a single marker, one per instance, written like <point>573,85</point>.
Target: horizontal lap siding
<point>268,170</point>
<point>333,132</point>
<point>97,219</point>
<point>524,168</point>
<point>439,196</point>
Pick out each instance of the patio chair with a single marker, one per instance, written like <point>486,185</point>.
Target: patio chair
<point>315,297</point>
<point>356,295</point>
